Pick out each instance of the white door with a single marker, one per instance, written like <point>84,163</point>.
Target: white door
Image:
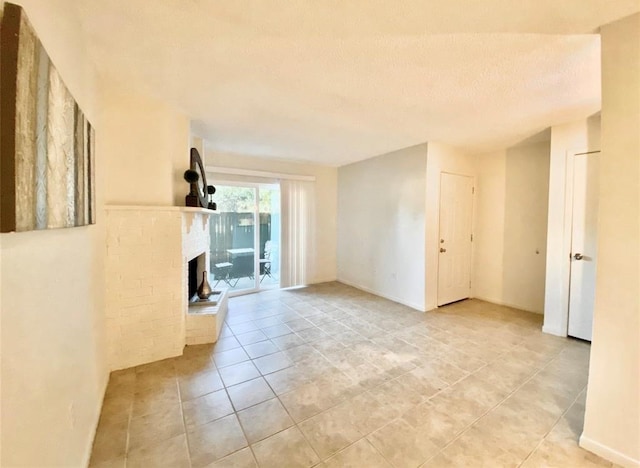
<point>582,282</point>
<point>454,264</point>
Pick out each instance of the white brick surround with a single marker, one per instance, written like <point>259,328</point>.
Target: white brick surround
<point>148,248</point>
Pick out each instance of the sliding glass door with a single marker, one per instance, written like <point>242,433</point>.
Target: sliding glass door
<point>245,237</point>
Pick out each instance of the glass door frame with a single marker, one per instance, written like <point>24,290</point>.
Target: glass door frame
<point>256,230</point>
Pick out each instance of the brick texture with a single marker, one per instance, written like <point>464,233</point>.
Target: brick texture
<point>146,275</point>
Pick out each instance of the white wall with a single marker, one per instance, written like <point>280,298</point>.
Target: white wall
<point>488,242</point>
<point>53,353</point>
<point>566,140</point>
<point>381,225</point>
<point>612,417</point>
<point>440,158</point>
<point>525,226</point>
<point>147,149</point>
<point>511,226</point>
<point>326,202</point>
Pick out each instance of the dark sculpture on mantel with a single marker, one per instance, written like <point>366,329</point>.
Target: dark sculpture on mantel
<point>201,194</point>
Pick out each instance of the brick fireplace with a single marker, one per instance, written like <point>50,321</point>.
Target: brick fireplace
<point>147,267</point>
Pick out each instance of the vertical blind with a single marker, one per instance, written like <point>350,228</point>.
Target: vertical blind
<point>298,225</point>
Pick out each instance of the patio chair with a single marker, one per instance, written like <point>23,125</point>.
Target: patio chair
<point>221,272</point>
<point>265,263</point>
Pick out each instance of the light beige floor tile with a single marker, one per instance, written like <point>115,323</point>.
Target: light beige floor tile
<point>198,384</point>
<point>264,419</point>
<point>244,326</point>
<point>287,379</point>
<point>231,357</point>
<point>172,453</point>
<point>251,337</point>
<point>472,449</point>
<point>154,398</point>
<point>238,373</point>
<point>267,322</point>
<point>272,363</point>
<point>250,393</point>
<point>358,455</point>
<point>217,439</point>
<point>277,330</point>
<point>288,341</point>
<point>434,422</point>
<point>466,411</point>
<point>226,344</point>
<point>116,407</point>
<point>187,365</point>
<point>113,463</point>
<point>122,381</point>
<point>306,401</point>
<point>443,370</point>
<point>240,459</point>
<point>287,448</point>
<point>550,454</point>
<point>260,349</point>
<point>206,408</point>
<point>155,427</point>
<point>302,352</point>
<point>164,367</point>
<point>396,364</point>
<point>403,445</point>
<point>329,432</point>
<point>366,413</point>
<point>367,375</point>
<point>422,382</point>
<point>110,441</point>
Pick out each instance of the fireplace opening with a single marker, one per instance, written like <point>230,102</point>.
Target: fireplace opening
<point>193,278</point>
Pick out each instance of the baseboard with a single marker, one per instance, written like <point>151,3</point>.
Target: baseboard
<point>608,453</point>
<point>418,307</point>
<point>323,280</point>
<point>507,304</point>
<point>553,331</point>
<point>490,300</point>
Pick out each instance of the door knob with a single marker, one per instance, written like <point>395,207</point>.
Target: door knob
<point>578,256</point>
<point>442,250</point>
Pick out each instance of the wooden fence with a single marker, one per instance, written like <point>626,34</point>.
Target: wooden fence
<point>235,231</point>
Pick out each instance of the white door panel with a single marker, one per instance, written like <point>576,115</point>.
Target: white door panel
<point>583,245</point>
<point>454,265</point>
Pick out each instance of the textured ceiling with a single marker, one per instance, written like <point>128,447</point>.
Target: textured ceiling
<point>339,81</point>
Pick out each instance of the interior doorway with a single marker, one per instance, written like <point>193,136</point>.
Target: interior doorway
<point>584,235</point>
<point>245,237</point>
<point>454,260</point>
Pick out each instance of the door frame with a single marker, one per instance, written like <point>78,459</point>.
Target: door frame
<point>473,230</point>
<point>256,232</point>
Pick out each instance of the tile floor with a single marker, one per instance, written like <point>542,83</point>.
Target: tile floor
<point>330,376</point>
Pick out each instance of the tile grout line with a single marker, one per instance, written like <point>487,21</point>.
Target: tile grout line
<point>552,427</point>
<point>184,422</point>
<point>466,428</point>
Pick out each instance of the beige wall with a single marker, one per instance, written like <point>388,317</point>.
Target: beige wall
<point>612,418</point>
<point>511,226</point>
<point>326,202</point>
<point>566,140</point>
<point>488,242</point>
<point>381,225</point>
<point>147,149</point>
<point>53,346</point>
<point>440,158</point>
<point>525,226</point>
